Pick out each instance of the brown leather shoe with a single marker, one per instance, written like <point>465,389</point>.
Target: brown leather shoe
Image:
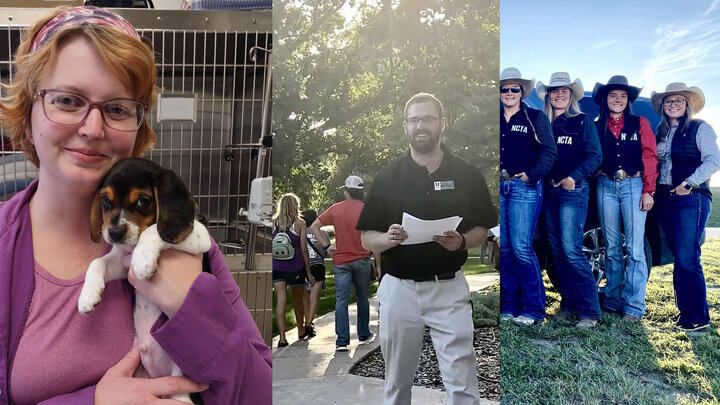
<point>563,315</point>
<point>586,323</point>
<point>630,318</point>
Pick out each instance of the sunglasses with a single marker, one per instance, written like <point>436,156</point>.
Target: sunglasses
<point>513,89</point>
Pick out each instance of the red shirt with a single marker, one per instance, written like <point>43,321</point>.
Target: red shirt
<point>649,150</point>
<point>344,217</point>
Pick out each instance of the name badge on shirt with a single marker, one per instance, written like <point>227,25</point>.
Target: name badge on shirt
<point>444,185</point>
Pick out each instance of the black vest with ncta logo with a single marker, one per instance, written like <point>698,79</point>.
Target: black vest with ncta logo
<point>685,155</point>
<point>623,152</point>
<point>519,147</point>
<point>568,132</point>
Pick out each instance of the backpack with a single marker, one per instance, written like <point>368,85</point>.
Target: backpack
<point>282,247</point>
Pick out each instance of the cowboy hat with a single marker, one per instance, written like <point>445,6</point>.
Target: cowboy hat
<point>560,79</point>
<point>618,82</point>
<point>695,96</point>
<point>512,75</point>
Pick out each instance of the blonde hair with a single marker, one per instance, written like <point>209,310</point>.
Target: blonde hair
<point>572,109</point>
<point>130,61</point>
<point>288,211</point>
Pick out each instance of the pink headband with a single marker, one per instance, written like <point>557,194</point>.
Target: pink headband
<point>82,16</point>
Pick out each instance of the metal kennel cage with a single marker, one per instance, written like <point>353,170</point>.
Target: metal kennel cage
<point>214,74</point>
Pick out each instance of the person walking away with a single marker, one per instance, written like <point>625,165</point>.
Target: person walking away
<point>291,263</point>
<point>351,262</point>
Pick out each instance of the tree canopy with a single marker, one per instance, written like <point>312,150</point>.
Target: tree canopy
<point>340,86</point>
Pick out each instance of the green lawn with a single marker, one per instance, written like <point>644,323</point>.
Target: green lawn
<point>714,220</point>
<point>647,363</point>
<point>327,296</point>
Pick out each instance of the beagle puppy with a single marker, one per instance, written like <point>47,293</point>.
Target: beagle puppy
<point>141,208</point>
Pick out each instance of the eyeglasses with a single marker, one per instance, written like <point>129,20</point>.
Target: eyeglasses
<point>678,102</point>
<point>426,118</point>
<point>68,108</point>
<point>513,89</point>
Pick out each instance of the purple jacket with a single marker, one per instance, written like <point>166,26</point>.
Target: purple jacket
<point>212,337</point>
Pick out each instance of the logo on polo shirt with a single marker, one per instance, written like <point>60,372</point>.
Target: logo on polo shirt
<point>564,140</point>
<point>519,128</point>
<point>444,185</point>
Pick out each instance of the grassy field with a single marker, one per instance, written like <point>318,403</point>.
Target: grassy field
<point>617,363</point>
<point>714,220</point>
<point>327,297</point>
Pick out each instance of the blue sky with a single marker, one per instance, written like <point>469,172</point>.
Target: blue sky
<point>653,43</point>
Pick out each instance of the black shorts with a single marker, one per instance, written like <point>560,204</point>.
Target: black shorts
<point>290,277</point>
<point>318,272</point>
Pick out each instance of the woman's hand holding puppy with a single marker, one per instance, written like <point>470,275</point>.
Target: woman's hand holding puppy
<point>167,288</point>
<point>119,387</point>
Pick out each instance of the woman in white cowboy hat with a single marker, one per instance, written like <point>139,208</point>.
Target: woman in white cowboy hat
<point>625,189</point>
<point>565,203</point>
<point>688,155</point>
<point>527,151</point>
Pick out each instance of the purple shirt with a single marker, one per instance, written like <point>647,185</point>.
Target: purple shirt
<point>212,337</point>
<point>62,350</point>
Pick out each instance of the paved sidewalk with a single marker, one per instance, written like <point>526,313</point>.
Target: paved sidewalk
<point>310,372</point>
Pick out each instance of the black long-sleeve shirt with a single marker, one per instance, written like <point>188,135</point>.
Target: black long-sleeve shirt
<point>526,143</point>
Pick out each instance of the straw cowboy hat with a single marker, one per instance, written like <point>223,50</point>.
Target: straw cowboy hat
<point>695,96</point>
<point>618,82</point>
<point>512,75</point>
<point>561,79</point>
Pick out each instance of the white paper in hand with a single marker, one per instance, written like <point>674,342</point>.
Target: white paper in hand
<point>422,231</point>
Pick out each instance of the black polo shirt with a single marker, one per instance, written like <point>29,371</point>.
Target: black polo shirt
<point>455,188</point>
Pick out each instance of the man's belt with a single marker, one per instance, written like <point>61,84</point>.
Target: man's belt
<point>505,176</point>
<point>436,277</point>
<point>621,175</point>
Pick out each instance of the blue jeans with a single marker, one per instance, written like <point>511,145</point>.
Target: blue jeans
<point>564,212</point>
<point>355,273</point>
<point>521,287</point>
<point>620,201</point>
<point>683,219</point>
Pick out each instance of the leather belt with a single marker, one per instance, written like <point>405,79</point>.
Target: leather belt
<point>621,175</point>
<point>505,176</point>
<point>436,277</point>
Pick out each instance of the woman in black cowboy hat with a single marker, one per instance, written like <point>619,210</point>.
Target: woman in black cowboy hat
<point>565,203</point>
<point>688,155</point>
<point>527,151</point>
<point>625,189</point>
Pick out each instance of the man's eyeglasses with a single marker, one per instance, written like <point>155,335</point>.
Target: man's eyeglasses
<point>68,108</point>
<point>678,102</point>
<point>513,89</point>
<point>426,118</point>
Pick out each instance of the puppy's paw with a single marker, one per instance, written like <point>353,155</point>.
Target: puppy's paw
<point>144,262</point>
<point>181,398</point>
<point>91,293</point>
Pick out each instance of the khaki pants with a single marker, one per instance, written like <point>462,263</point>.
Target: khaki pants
<point>406,307</point>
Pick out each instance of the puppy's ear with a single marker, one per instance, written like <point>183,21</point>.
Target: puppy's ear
<point>96,219</point>
<point>175,207</point>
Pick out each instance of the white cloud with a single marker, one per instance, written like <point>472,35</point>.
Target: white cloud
<point>712,8</point>
<point>686,51</point>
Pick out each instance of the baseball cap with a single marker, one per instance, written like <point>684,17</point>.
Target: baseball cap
<point>354,182</point>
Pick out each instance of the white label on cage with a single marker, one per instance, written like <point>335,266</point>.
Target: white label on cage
<point>177,107</point>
